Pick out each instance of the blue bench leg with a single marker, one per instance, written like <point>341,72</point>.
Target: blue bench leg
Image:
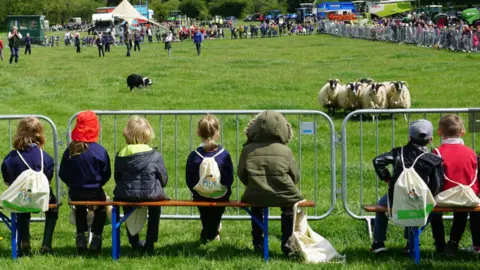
<point>14,235</point>
<point>416,239</point>
<point>265,233</point>
<point>114,233</point>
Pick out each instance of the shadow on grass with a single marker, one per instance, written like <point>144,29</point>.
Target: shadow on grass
<point>429,260</point>
<point>210,251</point>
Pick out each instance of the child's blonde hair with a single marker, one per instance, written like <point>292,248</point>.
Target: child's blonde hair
<point>138,131</point>
<point>29,131</point>
<point>207,129</point>
<point>451,125</point>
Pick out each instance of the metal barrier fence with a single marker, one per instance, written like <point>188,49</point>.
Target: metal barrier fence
<point>50,147</point>
<point>313,146</point>
<point>371,138</point>
<point>445,38</point>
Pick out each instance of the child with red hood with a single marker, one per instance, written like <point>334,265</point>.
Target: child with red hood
<point>85,169</point>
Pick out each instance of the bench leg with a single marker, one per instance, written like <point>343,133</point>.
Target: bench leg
<point>265,234</point>
<point>416,239</point>
<point>369,226</point>
<point>14,233</point>
<point>114,233</point>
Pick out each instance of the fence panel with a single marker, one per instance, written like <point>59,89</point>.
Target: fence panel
<point>313,146</point>
<point>367,139</point>
<point>8,123</point>
<point>425,37</point>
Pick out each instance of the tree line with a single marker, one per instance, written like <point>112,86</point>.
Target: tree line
<point>58,11</point>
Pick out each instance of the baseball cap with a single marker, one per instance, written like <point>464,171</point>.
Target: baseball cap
<point>421,130</point>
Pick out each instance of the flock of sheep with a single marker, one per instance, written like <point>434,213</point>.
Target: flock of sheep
<point>364,94</point>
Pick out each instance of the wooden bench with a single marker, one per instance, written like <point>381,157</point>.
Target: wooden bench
<point>414,235</point>
<point>11,223</point>
<point>237,204</point>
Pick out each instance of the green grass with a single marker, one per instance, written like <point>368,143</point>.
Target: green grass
<point>281,73</point>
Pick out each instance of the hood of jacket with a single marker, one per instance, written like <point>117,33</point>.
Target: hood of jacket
<point>135,157</point>
<point>269,126</point>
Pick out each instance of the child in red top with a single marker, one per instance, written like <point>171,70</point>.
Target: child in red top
<point>460,165</point>
<point>1,49</point>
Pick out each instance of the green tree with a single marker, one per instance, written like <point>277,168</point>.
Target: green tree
<point>162,10</point>
<point>194,9</point>
<point>228,7</point>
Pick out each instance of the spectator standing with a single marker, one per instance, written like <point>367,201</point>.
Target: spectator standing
<point>14,43</point>
<point>197,39</point>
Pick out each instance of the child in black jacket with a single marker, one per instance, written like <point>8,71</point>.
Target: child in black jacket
<point>428,166</point>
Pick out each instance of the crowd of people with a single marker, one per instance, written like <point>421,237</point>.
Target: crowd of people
<point>453,35</point>
<point>140,175</point>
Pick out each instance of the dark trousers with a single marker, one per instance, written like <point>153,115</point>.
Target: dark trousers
<point>78,47</point>
<point>107,47</point>
<point>286,223</point>
<point>100,214</point>
<point>137,45</point>
<point>152,226</point>
<point>458,227</point>
<point>211,218</point>
<point>129,47</point>
<point>51,216</point>
<point>28,49</point>
<point>100,51</point>
<point>199,48</point>
<point>14,54</point>
<point>150,39</point>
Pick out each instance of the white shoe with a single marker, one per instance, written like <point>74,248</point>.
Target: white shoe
<point>220,227</point>
<point>217,238</point>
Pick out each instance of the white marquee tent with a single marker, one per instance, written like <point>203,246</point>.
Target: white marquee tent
<point>128,13</point>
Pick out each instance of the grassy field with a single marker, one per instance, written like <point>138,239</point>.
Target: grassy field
<point>281,73</point>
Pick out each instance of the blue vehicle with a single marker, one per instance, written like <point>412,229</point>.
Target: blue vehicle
<point>272,15</point>
<point>304,13</point>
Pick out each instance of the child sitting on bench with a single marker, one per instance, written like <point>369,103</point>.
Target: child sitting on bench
<point>268,169</point>
<point>140,176</point>
<point>216,189</point>
<point>85,169</point>
<point>28,153</point>
<point>460,166</point>
<point>428,167</point>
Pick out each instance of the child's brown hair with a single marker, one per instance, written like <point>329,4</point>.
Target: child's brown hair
<point>29,131</point>
<point>451,125</point>
<point>207,129</point>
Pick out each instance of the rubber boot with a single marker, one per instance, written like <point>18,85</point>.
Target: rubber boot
<point>50,224</point>
<point>81,243</point>
<point>96,245</point>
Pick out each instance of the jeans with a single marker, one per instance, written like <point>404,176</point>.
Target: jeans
<point>100,215</point>
<point>137,45</point>
<point>381,224</point>
<point>78,47</point>
<point>458,227</point>
<point>14,54</point>
<point>129,47</point>
<point>1,55</point>
<point>152,226</point>
<point>286,224</point>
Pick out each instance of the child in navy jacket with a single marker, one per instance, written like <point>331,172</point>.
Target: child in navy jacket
<point>208,131</point>
<point>85,169</point>
<point>29,141</point>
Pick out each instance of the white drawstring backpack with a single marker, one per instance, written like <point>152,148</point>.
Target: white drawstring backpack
<point>29,193</point>
<point>412,200</point>
<point>458,196</point>
<point>311,246</point>
<point>209,185</point>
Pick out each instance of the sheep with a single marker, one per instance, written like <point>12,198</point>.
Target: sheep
<point>398,96</point>
<point>347,97</point>
<point>366,80</point>
<point>327,96</point>
<point>374,96</point>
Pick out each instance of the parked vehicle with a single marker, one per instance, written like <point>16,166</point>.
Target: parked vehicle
<point>230,19</point>
<point>32,24</point>
<point>74,23</point>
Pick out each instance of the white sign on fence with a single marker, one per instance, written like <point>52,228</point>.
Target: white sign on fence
<point>307,128</point>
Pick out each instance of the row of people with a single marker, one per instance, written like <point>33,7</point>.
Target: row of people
<point>266,167</point>
<point>444,168</point>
